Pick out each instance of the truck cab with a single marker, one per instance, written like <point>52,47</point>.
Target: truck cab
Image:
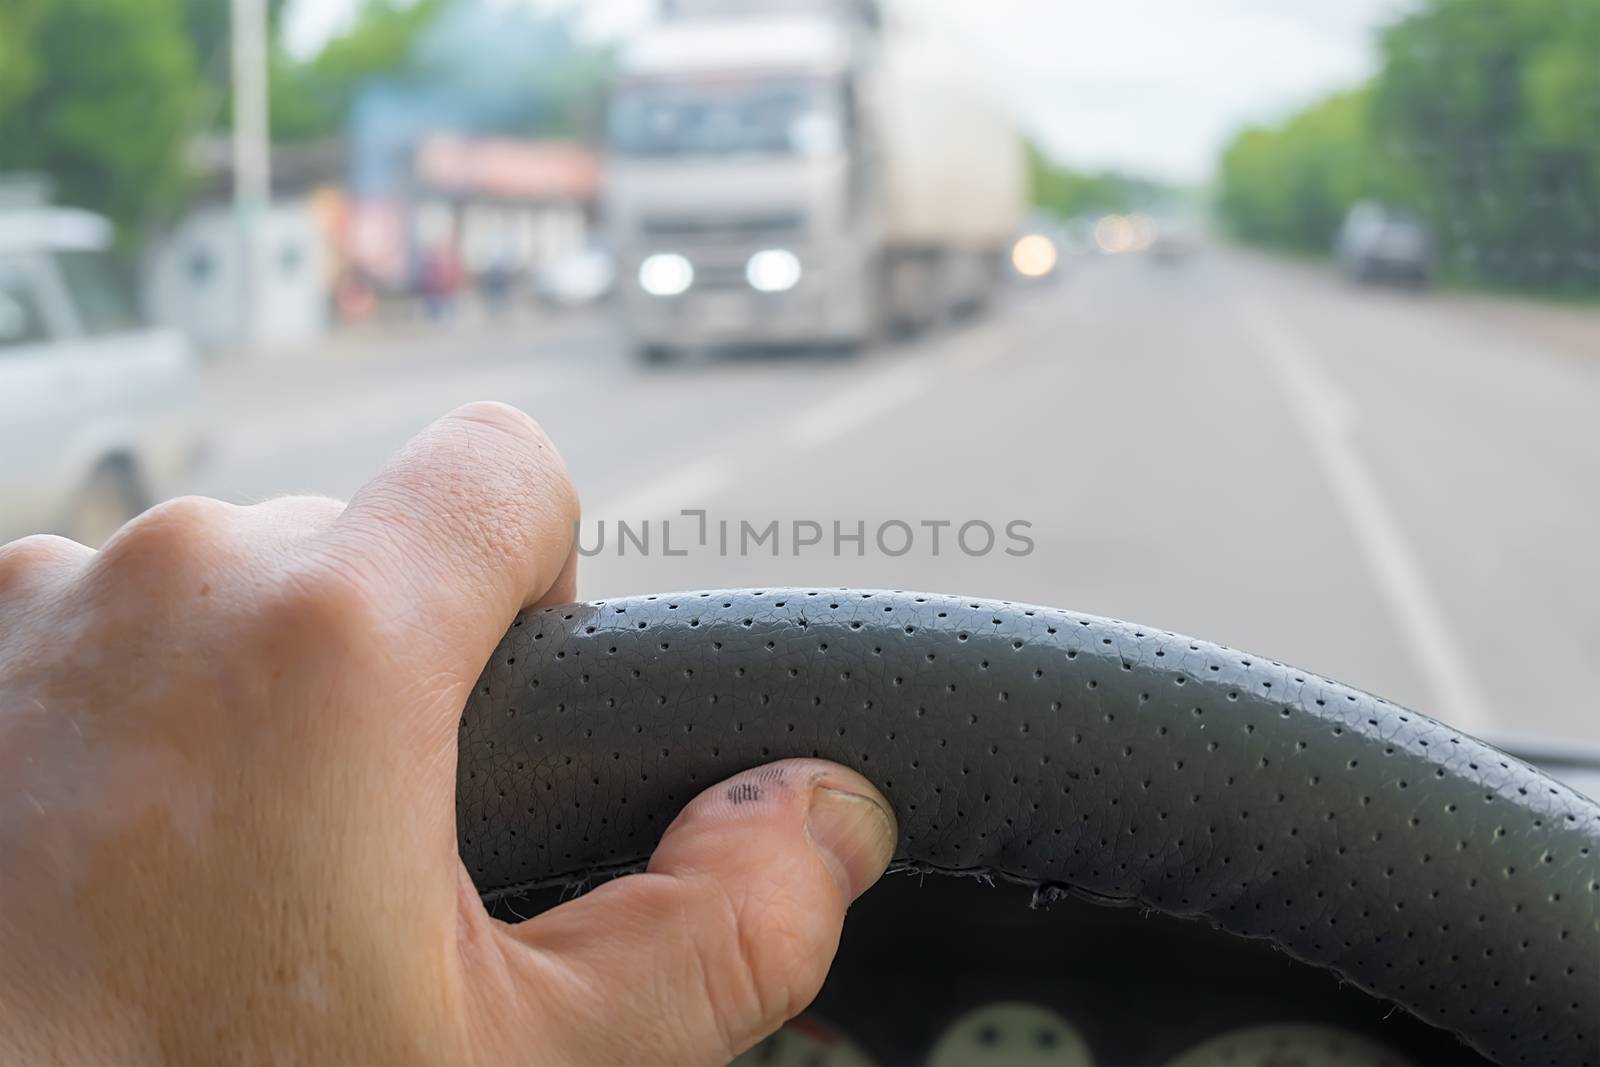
<point>736,197</point>
<point>799,174</point>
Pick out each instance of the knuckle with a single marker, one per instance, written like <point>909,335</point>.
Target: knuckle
<point>502,418</point>
<point>507,432</point>
<point>531,457</point>
<point>27,559</point>
<point>39,550</point>
<point>173,533</point>
<point>317,607</point>
<point>183,513</point>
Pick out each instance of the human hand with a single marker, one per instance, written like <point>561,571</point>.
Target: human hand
<point>227,781</point>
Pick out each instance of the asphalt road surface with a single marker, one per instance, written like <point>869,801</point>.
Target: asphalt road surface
<point>1398,490</point>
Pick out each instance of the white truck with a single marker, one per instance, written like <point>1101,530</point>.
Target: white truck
<point>801,172</point>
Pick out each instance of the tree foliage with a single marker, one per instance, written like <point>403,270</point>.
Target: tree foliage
<point>483,67</point>
<point>1484,117</point>
<point>101,102</point>
<point>313,98</point>
<point>209,26</point>
<point>19,62</point>
<point>1292,184</point>
<point>1498,109</point>
<point>1068,192</point>
<point>104,95</point>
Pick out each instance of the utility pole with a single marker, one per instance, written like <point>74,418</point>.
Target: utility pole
<point>252,153</point>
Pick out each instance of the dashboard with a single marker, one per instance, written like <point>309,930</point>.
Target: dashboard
<point>945,972</point>
<point>956,972</point>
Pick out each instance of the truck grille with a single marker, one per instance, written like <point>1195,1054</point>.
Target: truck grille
<point>720,276</point>
<point>776,225</point>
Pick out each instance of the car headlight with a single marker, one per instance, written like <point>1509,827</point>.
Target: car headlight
<point>666,274</point>
<point>773,270</point>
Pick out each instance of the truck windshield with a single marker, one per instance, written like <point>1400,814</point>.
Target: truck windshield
<point>727,118</point>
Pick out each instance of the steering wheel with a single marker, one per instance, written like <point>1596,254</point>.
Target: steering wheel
<point>1073,753</point>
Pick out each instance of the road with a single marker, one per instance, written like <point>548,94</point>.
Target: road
<point>1400,491</point>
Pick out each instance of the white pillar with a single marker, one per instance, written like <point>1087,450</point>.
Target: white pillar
<point>252,153</point>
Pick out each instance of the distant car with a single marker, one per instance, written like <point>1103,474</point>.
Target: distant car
<point>1379,243</point>
<point>584,277</point>
<point>94,407</point>
<point>1176,240</point>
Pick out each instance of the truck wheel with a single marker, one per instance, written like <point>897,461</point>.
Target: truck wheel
<point>108,498</point>
<point>914,301</point>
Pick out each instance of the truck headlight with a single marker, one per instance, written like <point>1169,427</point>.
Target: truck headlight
<point>666,274</point>
<point>773,270</point>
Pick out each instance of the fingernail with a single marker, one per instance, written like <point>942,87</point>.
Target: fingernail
<point>856,835</point>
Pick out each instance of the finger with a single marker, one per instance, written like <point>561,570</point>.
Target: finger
<point>565,588</point>
<point>34,568</point>
<point>40,557</point>
<point>471,521</point>
<point>731,930</point>
<point>184,541</point>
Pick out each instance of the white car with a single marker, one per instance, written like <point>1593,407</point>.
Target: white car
<point>95,409</point>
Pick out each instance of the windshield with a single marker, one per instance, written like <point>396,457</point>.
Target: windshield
<point>726,119</point>
<point>1273,323</point>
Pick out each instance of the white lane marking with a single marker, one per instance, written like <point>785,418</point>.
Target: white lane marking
<point>1303,374</point>
<point>835,416</point>
<point>822,423</point>
<point>893,388</point>
<point>1326,414</point>
<point>688,486</point>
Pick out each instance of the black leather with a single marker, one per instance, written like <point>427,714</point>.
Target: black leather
<point>1123,762</point>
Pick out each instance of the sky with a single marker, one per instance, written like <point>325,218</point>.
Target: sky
<point>1155,87</point>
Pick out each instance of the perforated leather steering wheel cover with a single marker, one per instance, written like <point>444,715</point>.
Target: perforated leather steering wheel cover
<point>1060,749</point>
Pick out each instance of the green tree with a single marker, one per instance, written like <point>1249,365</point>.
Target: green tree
<point>1484,117</point>
<point>1290,185</point>
<point>1498,108</point>
<point>313,98</point>
<point>209,26</point>
<point>496,67</point>
<point>19,62</point>
<point>1067,192</point>
<point>106,109</point>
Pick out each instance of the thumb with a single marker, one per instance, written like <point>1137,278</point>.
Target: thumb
<point>729,932</point>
